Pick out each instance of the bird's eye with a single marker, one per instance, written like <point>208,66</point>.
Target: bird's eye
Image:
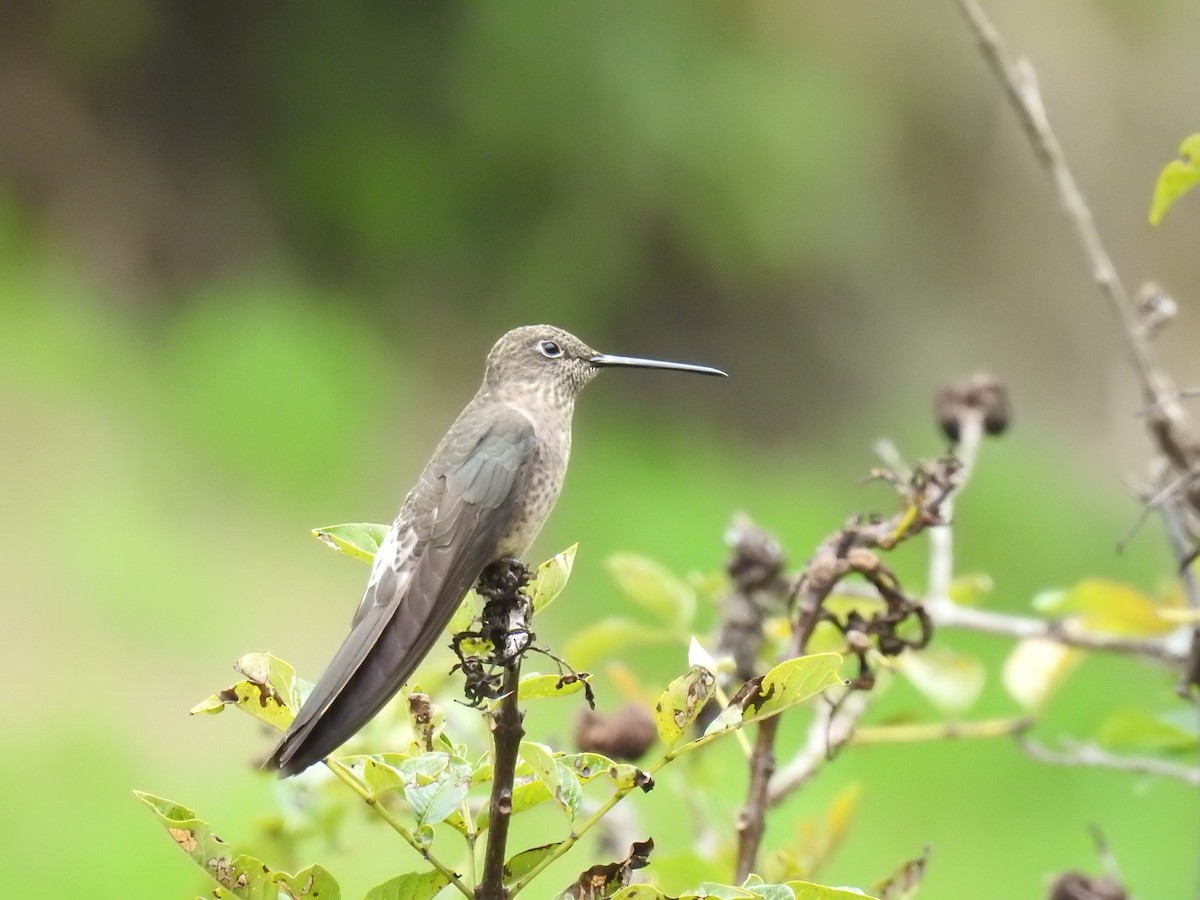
<point>550,349</point>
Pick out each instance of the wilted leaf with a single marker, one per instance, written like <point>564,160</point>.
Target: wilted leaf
<point>950,681</point>
<point>603,880</point>
<point>607,636</point>
<point>640,892</point>
<point>652,586</point>
<point>551,578</point>
<point>414,886</point>
<point>1135,727</point>
<point>682,702</point>
<point>523,862</point>
<point>358,539</point>
<point>1035,668</point>
<point>540,687</point>
<point>1177,178</point>
<point>270,691</point>
<point>240,875</point>
<point>907,879</point>
<point>428,720</point>
<point>788,684</point>
<point>587,766</point>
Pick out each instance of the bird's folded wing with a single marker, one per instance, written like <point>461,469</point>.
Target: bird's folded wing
<point>428,561</point>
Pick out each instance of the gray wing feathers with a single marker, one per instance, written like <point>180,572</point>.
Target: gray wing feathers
<point>435,555</point>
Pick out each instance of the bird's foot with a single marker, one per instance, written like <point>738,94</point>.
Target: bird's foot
<point>504,578</point>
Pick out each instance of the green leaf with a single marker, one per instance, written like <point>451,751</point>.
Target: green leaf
<point>239,875</point>
<point>541,687</point>
<point>360,540</point>
<point>314,882</point>
<point>682,702</point>
<point>413,886</point>
<point>970,589</point>
<point>788,684</point>
<point>523,862</point>
<point>603,638</point>
<point>769,891</point>
<point>270,691</point>
<point>467,614</point>
<point>1135,727</point>
<point>435,800</point>
<point>805,890</point>
<point>950,681</point>
<point>652,586</point>
<point>559,780</point>
<point>551,578</point>
<point>721,891</point>
<point>1177,178</point>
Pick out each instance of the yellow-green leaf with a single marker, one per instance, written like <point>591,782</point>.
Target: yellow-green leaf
<point>805,890</point>
<point>788,684</point>
<point>521,863</point>
<point>681,703</point>
<point>1177,178</point>
<point>270,692</point>
<point>652,586</point>
<point>1136,728</point>
<point>607,636</point>
<point>541,687</point>
<point>413,886</point>
<point>551,578</point>
<point>1106,606</point>
<point>360,540</point>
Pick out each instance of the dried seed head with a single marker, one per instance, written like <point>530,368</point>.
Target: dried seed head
<point>624,735</point>
<point>977,395</point>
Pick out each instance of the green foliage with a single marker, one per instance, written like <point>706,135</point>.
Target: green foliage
<point>435,778</point>
<point>1177,178</point>
<point>360,540</point>
<point>238,875</point>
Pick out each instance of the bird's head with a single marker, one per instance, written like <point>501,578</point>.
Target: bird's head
<point>543,357</point>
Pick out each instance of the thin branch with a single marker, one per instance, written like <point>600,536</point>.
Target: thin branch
<point>831,729</point>
<point>941,731</point>
<point>1092,756</point>
<point>752,819</point>
<point>948,614</point>
<point>507,732</point>
<point>386,814</point>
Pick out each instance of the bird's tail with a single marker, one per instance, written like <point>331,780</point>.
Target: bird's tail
<point>353,689</point>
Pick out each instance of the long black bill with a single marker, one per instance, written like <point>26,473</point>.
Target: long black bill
<point>633,362</point>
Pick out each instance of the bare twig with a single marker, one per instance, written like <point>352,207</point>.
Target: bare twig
<point>851,550</point>
<point>948,614</point>
<point>1092,756</point>
<point>1165,417</point>
<point>831,729</point>
<point>752,820</point>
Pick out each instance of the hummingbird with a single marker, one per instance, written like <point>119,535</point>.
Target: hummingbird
<point>482,497</point>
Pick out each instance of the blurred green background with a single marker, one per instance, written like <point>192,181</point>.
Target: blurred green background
<point>251,258</point>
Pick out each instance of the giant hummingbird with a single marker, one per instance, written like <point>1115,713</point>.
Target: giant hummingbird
<point>482,497</point>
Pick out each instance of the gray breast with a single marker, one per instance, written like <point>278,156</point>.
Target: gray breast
<point>546,472</point>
